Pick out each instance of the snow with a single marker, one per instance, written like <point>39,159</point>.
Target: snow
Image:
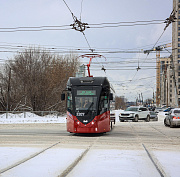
<point>28,117</point>
<point>117,112</point>
<point>169,161</point>
<point>48,164</point>
<point>115,163</point>
<point>110,162</point>
<point>11,155</point>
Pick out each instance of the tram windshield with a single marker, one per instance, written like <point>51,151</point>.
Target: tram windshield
<point>85,103</point>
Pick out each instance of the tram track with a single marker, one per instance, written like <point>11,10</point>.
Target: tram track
<point>27,158</point>
<point>73,165</point>
<point>150,155</point>
<point>65,172</point>
<point>76,161</point>
<point>168,137</point>
<point>131,136</point>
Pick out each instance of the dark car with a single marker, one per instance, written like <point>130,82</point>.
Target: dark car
<point>172,118</point>
<point>168,109</point>
<point>157,110</point>
<point>153,116</point>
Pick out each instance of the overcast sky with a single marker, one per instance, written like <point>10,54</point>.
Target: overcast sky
<point>107,41</point>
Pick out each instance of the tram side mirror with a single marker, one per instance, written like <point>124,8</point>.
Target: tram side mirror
<point>110,96</point>
<point>63,96</point>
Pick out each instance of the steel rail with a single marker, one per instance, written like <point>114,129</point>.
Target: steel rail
<point>155,162</point>
<point>27,159</point>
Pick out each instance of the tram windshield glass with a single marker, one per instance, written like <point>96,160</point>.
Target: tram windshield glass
<point>85,103</point>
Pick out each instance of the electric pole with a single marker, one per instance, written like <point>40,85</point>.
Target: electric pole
<point>8,89</point>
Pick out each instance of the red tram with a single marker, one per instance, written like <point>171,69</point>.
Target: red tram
<point>88,104</point>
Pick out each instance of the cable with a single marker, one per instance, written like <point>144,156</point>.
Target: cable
<point>68,7</point>
<point>111,67</point>
<point>126,82</point>
<point>79,52</point>
<point>159,38</point>
<point>126,25</point>
<point>126,69</point>
<point>78,25</point>
<point>169,20</point>
<point>27,27</point>
<point>76,48</point>
<point>81,10</point>
<point>33,30</point>
<point>87,42</point>
<point>128,22</point>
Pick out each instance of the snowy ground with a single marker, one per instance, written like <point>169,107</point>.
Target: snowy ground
<point>106,163</point>
<point>97,162</point>
<point>30,118</point>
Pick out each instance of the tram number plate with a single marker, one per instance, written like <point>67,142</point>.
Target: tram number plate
<point>80,114</point>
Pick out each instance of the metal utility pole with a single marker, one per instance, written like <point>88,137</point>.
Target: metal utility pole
<point>158,84</point>
<point>174,79</point>
<point>8,90</point>
<point>142,98</point>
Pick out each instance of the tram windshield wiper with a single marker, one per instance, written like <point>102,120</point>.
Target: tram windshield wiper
<point>89,108</point>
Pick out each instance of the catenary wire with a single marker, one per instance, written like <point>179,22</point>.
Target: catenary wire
<point>62,27</point>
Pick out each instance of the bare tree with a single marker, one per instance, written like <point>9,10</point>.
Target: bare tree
<point>37,80</point>
<point>120,102</point>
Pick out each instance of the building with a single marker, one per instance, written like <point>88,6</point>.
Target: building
<point>81,71</point>
<point>166,82</point>
<point>176,52</point>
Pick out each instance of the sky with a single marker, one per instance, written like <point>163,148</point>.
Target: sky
<point>114,43</point>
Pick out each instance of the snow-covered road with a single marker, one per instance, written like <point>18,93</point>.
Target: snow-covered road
<point>86,160</point>
<point>97,162</point>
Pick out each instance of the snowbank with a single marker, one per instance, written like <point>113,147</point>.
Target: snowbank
<point>28,117</point>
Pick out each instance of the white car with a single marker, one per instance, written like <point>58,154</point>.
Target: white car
<point>172,118</point>
<point>135,113</point>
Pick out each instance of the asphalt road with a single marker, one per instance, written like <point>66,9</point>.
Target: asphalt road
<point>124,135</point>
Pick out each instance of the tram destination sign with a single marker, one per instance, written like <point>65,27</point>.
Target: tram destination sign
<point>86,92</point>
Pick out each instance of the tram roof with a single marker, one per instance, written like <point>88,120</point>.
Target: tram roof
<point>86,81</point>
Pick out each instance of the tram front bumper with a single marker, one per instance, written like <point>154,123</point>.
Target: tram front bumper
<point>86,130</point>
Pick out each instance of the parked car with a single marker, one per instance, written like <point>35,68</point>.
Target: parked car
<point>157,110</point>
<point>172,118</point>
<point>135,113</point>
<point>168,109</point>
<point>153,116</point>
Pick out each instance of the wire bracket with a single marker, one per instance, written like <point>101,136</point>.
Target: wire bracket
<point>78,25</point>
<point>171,19</point>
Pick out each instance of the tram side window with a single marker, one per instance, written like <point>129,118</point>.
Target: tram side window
<point>69,102</point>
<point>103,106</point>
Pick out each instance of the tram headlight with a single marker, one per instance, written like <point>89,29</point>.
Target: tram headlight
<point>92,123</point>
